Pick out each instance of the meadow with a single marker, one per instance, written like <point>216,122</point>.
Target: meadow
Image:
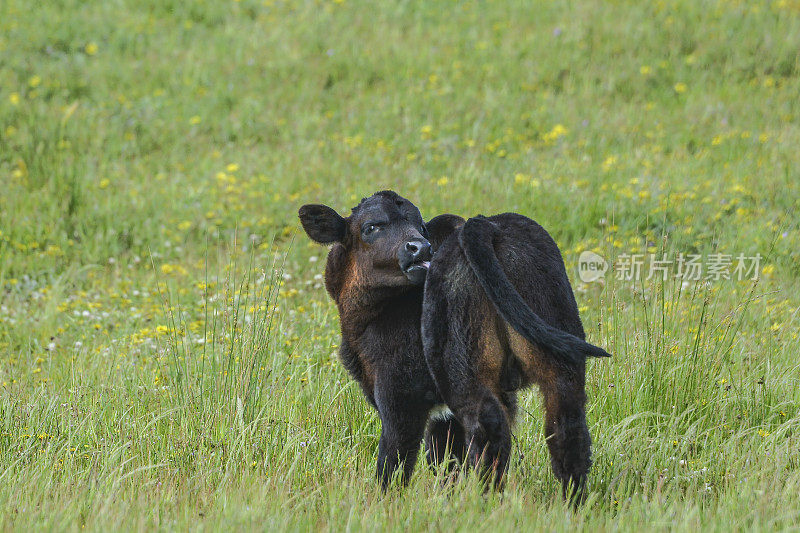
<point>168,351</point>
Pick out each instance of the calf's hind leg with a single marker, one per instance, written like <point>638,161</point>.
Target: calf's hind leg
<point>486,430</point>
<point>488,436</point>
<point>483,417</point>
<point>444,442</point>
<point>567,434</point>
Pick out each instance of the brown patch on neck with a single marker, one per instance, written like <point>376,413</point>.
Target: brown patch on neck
<point>344,283</point>
<point>358,304</point>
<point>352,295</point>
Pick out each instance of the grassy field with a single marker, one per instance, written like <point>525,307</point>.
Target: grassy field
<point>167,350</point>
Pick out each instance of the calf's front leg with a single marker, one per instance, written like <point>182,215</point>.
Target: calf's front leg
<point>402,427</point>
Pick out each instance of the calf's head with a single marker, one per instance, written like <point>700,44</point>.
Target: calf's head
<point>383,243</point>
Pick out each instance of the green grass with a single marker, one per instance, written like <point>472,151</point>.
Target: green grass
<point>168,352</point>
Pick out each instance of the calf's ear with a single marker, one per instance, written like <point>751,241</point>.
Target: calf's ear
<point>440,227</point>
<point>322,224</point>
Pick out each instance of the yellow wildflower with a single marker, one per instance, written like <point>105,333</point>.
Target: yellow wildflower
<point>558,131</point>
<point>609,162</point>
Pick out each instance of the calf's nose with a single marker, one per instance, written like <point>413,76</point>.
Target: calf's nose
<point>418,250</point>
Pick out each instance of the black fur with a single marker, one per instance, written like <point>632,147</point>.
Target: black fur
<point>491,274</point>
<point>497,314</point>
<point>477,240</point>
<point>380,314</point>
